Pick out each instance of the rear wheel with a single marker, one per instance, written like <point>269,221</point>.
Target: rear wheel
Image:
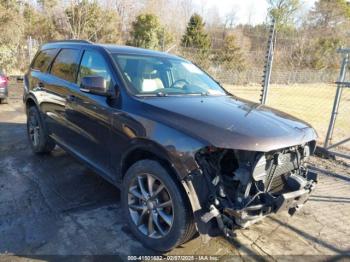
<point>37,133</point>
<point>157,211</point>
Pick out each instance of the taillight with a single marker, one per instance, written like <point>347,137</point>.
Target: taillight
<point>4,80</point>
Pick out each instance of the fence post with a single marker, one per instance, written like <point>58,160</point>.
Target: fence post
<point>341,80</point>
<point>268,65</point>
<point>30,48</point>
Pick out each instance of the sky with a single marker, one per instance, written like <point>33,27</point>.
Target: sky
<point>247,11</point>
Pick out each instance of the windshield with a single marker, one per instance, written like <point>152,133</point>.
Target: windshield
<point>165,76</point>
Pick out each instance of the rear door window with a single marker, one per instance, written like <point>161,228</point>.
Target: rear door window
<point>44,59</point>
<point>65,65</point>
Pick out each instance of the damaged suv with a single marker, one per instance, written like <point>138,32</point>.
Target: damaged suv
<point>187,155</point>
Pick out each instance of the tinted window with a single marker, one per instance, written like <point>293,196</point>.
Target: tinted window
<point>65,65</point>
<point>43,60</point>
<point>161,75</point>
<point>93,64</point>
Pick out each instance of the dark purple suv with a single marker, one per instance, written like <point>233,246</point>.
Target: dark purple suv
<point>187,155</point>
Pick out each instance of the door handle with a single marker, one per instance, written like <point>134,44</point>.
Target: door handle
<point>70,98</point>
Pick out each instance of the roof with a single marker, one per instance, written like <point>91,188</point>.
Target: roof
<point>135,50</point>
<point>109,48</point>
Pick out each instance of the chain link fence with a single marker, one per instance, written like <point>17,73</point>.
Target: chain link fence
<point>341,128</point>
<point>302,92</point>
<point>15,59</point>
<point>339,134</point>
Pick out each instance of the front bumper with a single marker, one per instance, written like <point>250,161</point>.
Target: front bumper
<point>291,201</point>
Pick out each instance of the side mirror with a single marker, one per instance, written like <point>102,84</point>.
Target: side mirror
<point>94,85</point>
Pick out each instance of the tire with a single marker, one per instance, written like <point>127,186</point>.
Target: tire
<point>182,226</point>
<point>4,101</point>
<point>38,136</point>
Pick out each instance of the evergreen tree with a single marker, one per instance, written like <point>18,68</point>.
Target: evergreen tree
<point>148,33</point>
<point>195,36</point>
<point>230,56</point>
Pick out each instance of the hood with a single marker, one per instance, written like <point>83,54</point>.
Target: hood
<point>229,122</point>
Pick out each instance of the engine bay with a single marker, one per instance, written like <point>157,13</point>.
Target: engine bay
<point>242,187</point>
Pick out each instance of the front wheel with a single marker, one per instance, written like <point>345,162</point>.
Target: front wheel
<point>158,212</point>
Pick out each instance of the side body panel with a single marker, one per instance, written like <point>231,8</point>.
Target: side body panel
<point>131,132</point>
<point>88,118</point>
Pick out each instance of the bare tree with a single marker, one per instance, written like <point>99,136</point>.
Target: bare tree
<point>330,14</point>
<point>213,19</point>
<point>177,21</point>
<point>251,13</point>
<point>231,18</point>
<point>187,7</point>
<point>89,20</point>
<point>283,11</point>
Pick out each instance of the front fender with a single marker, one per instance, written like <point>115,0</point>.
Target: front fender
<point>180,147</point>
<point>165,142</point>
<point>182,162</point>
<point>29,98</point>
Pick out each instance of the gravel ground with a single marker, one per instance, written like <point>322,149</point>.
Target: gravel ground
<point>53,205</point>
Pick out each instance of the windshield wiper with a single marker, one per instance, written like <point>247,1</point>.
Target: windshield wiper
<point>188,94</point>
<point>161,94</point>
<point>152,94</point>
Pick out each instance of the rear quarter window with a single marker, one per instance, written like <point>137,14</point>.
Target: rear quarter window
<point>44,59</point>
<point>65,65</point>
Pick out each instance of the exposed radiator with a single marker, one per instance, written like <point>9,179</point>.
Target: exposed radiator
<point>280,168</point>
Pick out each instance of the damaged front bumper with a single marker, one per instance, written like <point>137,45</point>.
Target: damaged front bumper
<point>234,189</point>
<point>228,219</point>
<point>291,201</point>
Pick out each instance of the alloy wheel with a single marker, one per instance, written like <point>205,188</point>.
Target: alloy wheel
<point>34,130</point>
<point>150,206</point>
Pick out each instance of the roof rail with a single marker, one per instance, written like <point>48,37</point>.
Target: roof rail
<point>71,41</point>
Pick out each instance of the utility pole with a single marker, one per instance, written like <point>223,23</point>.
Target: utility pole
<point>30,48</point>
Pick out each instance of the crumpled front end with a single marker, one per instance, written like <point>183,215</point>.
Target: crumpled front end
<point>238,188</point>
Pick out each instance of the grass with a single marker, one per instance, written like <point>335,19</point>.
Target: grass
<point>312,103</point>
